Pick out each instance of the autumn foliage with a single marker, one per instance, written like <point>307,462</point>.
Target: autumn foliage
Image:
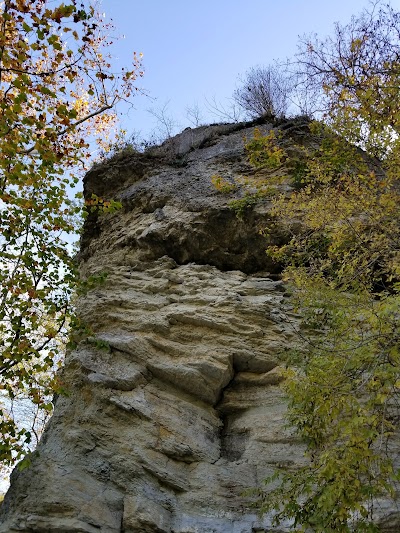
<point>57,97</point>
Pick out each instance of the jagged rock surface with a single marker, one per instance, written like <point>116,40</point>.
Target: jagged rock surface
<point>166,428</point>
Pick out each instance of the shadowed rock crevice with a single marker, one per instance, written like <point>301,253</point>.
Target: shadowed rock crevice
<point>218,239</point>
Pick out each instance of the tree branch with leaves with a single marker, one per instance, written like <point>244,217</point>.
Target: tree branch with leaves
<point>58,93</point>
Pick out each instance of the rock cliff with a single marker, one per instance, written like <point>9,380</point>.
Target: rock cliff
<point>167,424</point>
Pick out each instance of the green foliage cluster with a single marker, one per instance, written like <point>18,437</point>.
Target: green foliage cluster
<point>264,151</point>
<point>343,400</point>
<point>242,205</point>
<point>343,263</point>
<point>222,185</point>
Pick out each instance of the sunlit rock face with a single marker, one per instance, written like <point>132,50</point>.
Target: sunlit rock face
<point>167,425</point>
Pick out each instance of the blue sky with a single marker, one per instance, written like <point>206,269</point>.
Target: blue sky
<point>195,50</point>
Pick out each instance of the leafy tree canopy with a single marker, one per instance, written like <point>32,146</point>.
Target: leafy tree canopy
<point>343,260</point>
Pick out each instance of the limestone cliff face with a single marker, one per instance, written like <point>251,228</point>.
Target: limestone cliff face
<point>165,429</point>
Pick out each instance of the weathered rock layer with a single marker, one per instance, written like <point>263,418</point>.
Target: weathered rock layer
<point>167,425</point>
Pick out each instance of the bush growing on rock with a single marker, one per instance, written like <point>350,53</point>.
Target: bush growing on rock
<point>264,91</point>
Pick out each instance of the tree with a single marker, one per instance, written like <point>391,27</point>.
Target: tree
<point>57,91</point>
<point>264,91</point>
<point>356,77</point>
<point>194,115</point>
<point>344,265</point>
<point>166,125</point>
<point>227,111</point>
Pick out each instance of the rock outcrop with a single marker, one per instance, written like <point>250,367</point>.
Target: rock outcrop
<point>179,412</point>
